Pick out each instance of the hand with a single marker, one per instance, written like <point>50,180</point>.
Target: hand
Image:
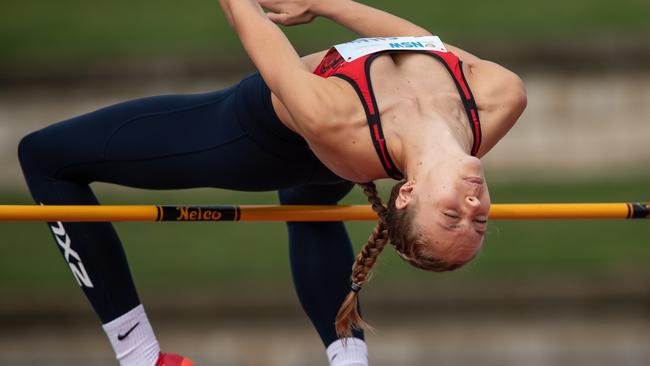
<point>288,12</point>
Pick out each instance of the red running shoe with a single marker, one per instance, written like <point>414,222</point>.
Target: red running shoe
<point>170,359</point>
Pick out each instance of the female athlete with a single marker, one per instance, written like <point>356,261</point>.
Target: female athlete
<point>401,104</point>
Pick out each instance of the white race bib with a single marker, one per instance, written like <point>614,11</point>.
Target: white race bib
<point>351,51</point>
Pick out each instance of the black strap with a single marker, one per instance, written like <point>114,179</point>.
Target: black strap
<point>376,132</point>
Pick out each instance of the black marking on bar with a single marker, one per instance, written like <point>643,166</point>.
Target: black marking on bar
<point>199,213</point>
<point>629,210</point>
<point>158,213</point>
<point>640,210</point>
<point>237,213</point>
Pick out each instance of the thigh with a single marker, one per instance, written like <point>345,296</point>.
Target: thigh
<point>166,142</point>
<point>315,194</point>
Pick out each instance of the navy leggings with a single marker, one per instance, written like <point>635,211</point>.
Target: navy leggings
<point>227,139</point>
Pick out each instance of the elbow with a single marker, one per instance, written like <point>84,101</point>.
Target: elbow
<point>518,96</point>
<point>522,98</point>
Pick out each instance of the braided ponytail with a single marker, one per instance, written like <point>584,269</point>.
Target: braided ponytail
<point>348,317</point>
<point>397,226</point>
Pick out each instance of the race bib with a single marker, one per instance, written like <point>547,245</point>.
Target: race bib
<point>350,51</point>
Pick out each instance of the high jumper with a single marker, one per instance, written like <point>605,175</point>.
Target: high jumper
<point>398,103</point>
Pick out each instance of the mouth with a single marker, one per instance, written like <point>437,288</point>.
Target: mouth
<point>474,180</point>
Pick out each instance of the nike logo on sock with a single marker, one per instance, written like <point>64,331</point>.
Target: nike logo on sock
<point>120,337</point>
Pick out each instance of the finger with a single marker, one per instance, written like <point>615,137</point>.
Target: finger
<point>269,4</point>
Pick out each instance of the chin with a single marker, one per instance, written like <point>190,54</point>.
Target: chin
<point>466,254</point>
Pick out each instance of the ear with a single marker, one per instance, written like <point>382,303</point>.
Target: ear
<point>405,195</point>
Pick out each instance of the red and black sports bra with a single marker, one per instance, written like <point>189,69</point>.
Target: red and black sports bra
<point>351,62</point>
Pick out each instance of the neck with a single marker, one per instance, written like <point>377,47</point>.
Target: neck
<point>427,145</point>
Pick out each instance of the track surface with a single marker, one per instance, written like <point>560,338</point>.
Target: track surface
<point>597,340</point>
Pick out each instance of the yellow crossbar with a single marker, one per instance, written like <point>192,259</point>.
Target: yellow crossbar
<point>522,211</point>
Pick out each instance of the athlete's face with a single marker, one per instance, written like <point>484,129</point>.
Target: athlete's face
<point>452,205</point>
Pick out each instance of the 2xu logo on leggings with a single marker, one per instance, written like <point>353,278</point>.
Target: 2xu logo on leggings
<point>72,257</point>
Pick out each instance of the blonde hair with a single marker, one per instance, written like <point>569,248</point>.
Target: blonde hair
<point>394,225</point>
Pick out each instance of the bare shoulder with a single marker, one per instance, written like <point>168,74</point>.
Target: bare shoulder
<point>334,127</point>
<point>493,73</point>
<point>487,74</point>
<point>338,106</point>
<point>327,108</point>
<point>326,111</point>
<point>500,96</point>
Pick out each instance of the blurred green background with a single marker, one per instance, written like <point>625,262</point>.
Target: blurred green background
<point>583,138</point>
<point>41,31</point>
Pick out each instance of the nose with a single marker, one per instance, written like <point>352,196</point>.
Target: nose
<point>473,202</point>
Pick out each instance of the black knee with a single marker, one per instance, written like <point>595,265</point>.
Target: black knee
<point>30,150</point>
<point>42,154</point>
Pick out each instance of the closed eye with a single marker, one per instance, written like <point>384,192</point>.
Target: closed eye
<point>482,225</point>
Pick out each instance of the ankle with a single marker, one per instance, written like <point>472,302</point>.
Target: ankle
<point>133,339</point>
<point>348,352</point>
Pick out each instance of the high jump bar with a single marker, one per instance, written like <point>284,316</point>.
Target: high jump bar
<point>107,213</point>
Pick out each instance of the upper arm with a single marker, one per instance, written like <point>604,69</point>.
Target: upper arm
<point>311,101</point>
<point>266,45</point>
<point>303,94</point>
<point>501,97</point>
<point>368,21</point>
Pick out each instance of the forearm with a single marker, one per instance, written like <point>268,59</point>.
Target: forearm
<point>264,42</point>
<point>301,92</point>
<point>366,21</point>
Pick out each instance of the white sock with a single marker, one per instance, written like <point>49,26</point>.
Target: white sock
<point>133,339</point>
<point>348,352</point>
